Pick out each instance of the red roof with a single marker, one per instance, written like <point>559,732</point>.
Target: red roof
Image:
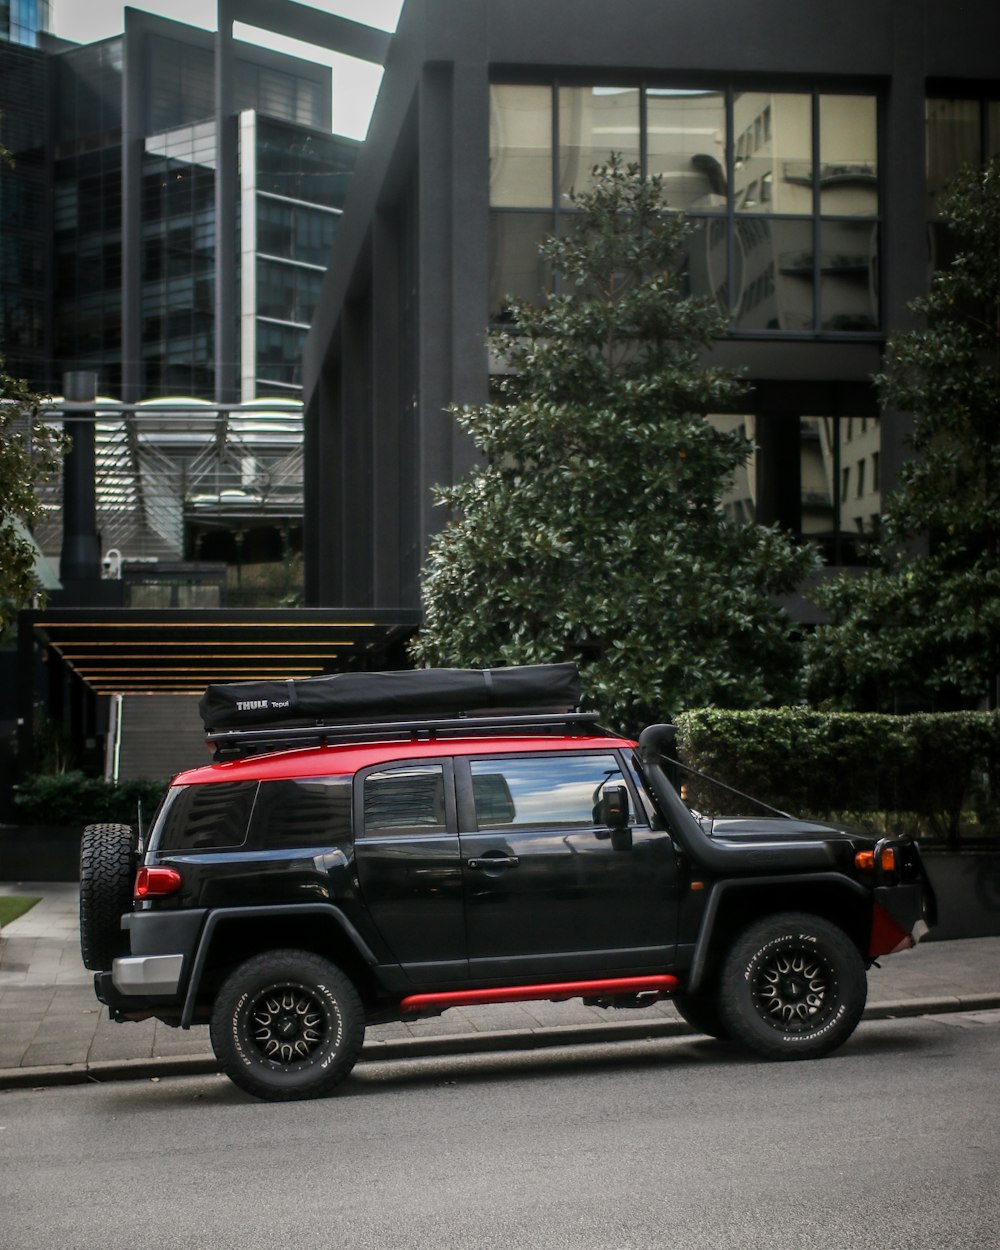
<point>347,758</point>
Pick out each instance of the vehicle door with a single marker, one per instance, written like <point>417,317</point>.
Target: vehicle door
<point>407,855</point>
<point>549,891</point>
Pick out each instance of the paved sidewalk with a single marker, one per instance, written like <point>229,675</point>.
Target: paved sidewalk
<point>52,1028</point>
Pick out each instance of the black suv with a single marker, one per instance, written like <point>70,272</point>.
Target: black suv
<point>319,877</point>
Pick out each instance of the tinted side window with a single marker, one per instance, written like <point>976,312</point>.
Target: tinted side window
<point>542,790</point>
<point>205,818</point>
<point>313,812</point>
<point>405,800</point>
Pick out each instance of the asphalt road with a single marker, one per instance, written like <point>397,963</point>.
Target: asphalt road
<point>894,1143</point>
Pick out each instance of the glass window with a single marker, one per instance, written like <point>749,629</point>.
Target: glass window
<point>953,140</point>
<point>773,143</point>
<point>405,800</point>
<point>279,353</point>
<point>287,292</point>
<point>848,155</point>
<point>516,269</point>
<point>849,275</point>
<point>521,147</point>
<point>703,262</point>
<point>774,275</point>
<point>686,145</point>
<point>542,791</point>
<point>306,813</point>
<point>593,123</point>
<point>206,817</point>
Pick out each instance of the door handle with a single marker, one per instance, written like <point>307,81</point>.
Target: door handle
<point>485,862</point>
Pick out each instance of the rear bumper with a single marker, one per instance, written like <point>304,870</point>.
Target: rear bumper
<point>155,976</point>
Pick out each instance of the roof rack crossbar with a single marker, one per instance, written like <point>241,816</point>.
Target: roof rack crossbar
<point>231,742</point>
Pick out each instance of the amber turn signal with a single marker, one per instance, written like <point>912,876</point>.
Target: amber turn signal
<point>865,860</point>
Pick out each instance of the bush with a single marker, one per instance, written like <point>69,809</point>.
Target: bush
<point>932,774</point>
<point>72,798</point>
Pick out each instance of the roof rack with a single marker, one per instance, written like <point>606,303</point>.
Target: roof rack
<point>233,744</point>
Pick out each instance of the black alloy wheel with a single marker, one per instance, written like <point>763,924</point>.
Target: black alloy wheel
<point>107,880</point>
<point>793,987</point>
<point>287,1024</point>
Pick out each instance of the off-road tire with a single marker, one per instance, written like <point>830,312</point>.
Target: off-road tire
<point>701,1011</point>
<point>287,1024</point>
<point>107,877</point>
<point>793,986</point>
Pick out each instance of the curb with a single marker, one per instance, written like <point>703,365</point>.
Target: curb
<point>98,1073</point>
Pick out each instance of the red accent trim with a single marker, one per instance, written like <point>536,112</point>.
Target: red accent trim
<point>886,937</point>
<point>555,991</point>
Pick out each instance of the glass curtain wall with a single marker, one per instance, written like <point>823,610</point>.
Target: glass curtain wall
<point>301,180</point>
<point>178,262</point>
<point>87,213</point>
<point>782,188</point>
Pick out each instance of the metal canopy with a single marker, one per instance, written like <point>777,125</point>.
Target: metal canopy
<point>179,651</point>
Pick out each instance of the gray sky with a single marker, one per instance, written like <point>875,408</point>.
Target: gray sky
<point>355,84</point>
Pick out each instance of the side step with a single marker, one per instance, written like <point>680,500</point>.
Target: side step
<point>556,991</point>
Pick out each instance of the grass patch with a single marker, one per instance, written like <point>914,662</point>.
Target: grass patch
<point>13,906</point>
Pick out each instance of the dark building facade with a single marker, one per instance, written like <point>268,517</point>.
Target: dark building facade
<point>808,153</point>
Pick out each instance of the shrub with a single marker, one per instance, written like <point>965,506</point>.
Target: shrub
<point>935,774</point>
<point>72,798</point>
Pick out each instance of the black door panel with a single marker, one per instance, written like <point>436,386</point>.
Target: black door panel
<point>546,891</point>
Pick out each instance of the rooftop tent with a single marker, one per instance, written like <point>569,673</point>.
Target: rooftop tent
<point>426,692</point>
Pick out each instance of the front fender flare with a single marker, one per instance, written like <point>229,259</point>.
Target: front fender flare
<point>723,888</point>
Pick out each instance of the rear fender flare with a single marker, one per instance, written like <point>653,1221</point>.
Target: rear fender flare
<point>225,915</point>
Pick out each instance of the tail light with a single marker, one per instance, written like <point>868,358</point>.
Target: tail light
<point>156,882</point>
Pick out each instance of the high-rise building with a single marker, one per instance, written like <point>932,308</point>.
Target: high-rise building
<point>121,258</point>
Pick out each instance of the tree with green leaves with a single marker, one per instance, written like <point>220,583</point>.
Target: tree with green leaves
<point>592,529</point>
<point>29,451</point>
<point>923,624</point>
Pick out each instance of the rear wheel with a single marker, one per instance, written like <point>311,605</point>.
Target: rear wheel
<point>286,1025</point>
<point>107,876</point>
<point>793,987</point>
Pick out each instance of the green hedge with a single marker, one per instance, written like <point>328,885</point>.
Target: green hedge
<point>72,798</point>
<point>932,774</point>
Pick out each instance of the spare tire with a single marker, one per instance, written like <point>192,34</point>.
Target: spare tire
<point>107,876</point>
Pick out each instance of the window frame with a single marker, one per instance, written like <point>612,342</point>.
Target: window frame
<point>405,833</point>
<point>468,821</point>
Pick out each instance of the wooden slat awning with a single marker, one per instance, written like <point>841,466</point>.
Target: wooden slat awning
<point>171,651</point>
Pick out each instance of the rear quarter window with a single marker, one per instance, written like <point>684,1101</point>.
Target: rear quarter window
<point>308,813</point>
<point>204,818</point>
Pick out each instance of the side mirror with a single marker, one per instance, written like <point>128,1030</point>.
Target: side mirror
<point>613,812</point>
<point>613,807</point>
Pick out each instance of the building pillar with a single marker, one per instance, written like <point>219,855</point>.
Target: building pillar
<point>81,545</point>
<point>227,371</point>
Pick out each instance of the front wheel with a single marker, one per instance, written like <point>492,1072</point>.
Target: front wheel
<point>793,987</point>
<point>286,1025</point>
